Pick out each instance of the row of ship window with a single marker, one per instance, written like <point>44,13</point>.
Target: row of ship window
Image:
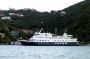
<point>54,43</point>
<point>60,43</point>
<point>53,40</point>
<point>53,37</point>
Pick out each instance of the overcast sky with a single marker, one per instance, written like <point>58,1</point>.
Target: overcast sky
<point>40,5</point>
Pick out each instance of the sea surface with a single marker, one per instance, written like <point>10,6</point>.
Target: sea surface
<point>44,52</point>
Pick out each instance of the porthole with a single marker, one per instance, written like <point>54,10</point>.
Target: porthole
<point>62,43</point>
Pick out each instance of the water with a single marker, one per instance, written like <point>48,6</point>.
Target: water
<point>44,52</point>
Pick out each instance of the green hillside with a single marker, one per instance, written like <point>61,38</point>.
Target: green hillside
<point>76,19</point>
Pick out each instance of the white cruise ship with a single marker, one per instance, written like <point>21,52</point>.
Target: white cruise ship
<point>48,39</point>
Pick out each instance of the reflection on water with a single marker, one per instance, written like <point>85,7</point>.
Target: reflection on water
<point>44,52</point>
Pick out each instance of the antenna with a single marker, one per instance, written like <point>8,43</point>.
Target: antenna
<point>56,31</point>
<point>41,22</point>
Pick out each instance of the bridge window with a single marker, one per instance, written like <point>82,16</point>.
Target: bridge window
<point>42,40</point>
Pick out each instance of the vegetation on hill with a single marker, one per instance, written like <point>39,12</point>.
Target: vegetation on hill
<point>76,19</point>
<point>79,20</point>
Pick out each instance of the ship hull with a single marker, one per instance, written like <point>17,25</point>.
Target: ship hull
<point>49,43</point>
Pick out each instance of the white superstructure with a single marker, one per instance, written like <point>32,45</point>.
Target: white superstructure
<point>48,37</point>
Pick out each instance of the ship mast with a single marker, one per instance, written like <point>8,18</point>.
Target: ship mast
<point>42,27</point>
<point>41,30</point>
<point>65,34</point>
<point>65,30</point>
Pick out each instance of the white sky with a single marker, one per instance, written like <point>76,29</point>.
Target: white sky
<point>40,5</point>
